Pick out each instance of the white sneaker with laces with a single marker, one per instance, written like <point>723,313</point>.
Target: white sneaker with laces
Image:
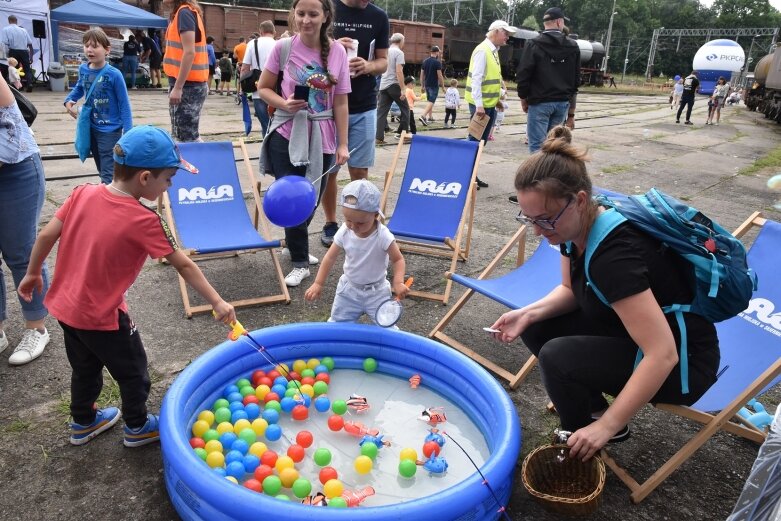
<point>313,261</point>
<point>295,277</point>
<point>3,341</point>
<point>30,348</point>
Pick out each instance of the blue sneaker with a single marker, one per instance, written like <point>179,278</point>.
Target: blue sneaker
<point>149,433</point>
<point>104,420</point>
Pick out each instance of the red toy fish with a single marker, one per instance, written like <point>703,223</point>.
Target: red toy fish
<point>433,415</point>
<point>358,429</point>
<point>358,403</point>
<point>414,381</point>
<point>353,498</point>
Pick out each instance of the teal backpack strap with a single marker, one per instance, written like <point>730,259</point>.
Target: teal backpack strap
<point>603,225</point>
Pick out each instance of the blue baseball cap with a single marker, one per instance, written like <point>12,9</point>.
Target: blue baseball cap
<point>146,146</point>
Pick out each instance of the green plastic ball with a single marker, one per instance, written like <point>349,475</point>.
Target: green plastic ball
<point>337,502</point>
<point>272,485</point>
<point>369,449</point>
<point>339,407</point>
<point>320,388</point>
<point>370,365</point>
<point>291,392</point>
<point>328,362</point>
<point>201,453</point>
<point>292,384</point>
<point>246,390</point>
<point>248,435</point>
<point>222,403</point>
<point>210,435</point>
<point>322,457</point>
<point>308,373</point>
<point>243,382</point>
<point>222,415</point>
<point>283,497</point>
<point>273,404</point>
<point>407,468</point>
<point>302,488</point>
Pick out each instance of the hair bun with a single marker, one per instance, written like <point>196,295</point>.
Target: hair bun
<point>559,141</point>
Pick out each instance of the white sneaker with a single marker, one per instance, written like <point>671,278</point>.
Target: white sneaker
<point>295,277</point>
<point>313,261</point>
<point>3,341</point>
<point>30,348</point>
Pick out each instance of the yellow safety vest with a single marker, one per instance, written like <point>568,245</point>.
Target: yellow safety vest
<point>174,51</point>
<point>492,79</point>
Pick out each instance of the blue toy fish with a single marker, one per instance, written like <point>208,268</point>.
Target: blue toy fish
<point>435,464</point>
<point>436,437</point>
<point>377,440</point>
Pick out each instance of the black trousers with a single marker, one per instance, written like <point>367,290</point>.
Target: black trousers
<point>579,362</point>
<point>23,57</point>
<point>450,113</point>
<point>413,129</point>
<point>685,103</point>
<point>122,353</point>
<point>384,101</point>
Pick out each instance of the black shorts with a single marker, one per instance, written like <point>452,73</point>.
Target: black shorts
<point>155,62</point>
<point>226,76</point>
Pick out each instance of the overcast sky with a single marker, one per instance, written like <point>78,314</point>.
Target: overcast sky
<point>774,3</point>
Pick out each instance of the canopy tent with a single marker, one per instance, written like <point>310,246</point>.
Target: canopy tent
<point>26,11</point>
<point>111,13</point>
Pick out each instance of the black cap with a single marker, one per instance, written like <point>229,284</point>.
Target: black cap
<point>435,48</point>
<point>554,13</point>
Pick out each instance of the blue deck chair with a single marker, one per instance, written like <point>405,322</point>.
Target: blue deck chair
<point>750,362</point>
<point>209,218</point>
<point>435,208</point>
<point>528,282</point>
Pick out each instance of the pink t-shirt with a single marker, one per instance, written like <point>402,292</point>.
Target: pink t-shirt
<point>304,67</point>
<point>104,243</point>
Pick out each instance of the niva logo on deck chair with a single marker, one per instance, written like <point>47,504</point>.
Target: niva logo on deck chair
<point>199,194</point>
<point>431,188</point>
<point>765,318</point>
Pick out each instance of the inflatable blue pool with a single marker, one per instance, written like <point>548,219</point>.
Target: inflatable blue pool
<point>198,494</point>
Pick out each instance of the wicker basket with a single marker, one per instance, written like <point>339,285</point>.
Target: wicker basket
<point>566,486</point>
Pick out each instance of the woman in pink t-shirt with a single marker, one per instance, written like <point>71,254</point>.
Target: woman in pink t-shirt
<point>306,135</point>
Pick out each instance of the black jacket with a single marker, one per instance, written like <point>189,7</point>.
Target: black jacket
<point>549,69</point>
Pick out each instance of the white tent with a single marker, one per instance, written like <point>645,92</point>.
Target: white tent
<point>26,11</point>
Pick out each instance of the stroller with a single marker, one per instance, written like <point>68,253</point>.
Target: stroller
<point>143,78</point>
<point>395,112</point>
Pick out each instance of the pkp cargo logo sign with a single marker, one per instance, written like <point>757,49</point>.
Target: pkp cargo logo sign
<point>724,57</point>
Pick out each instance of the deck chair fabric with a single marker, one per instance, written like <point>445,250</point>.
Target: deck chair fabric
<point>208,215</point>
<point>436,200</point>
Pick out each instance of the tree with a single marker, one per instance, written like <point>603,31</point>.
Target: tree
<point>530,23</point>
<point>746,13</point>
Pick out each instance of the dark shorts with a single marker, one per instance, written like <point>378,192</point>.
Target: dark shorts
<point>431,94</point>
<point>155,62</point>
<point>225,77</point>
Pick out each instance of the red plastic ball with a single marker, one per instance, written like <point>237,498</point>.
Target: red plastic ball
<point>250,398</point>
<point>266,381</point>
<point>327,473</point>
<point>307,380</point>
<point>197,443</point>
<point>263,471</point>
<point>323,377</point>
<point>305,439</point>
<point>336,422</point>
<point>270,396</point>
<point>256,376</point>
<point>253,484</point>
<point>292,375</point>
<point>296,453</point>
<point>273,374</point>
<point>269,458</point>
<point>300,412</point>
<point>431,447</point>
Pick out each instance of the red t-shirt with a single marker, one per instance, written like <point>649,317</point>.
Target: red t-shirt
<point>104,243</point>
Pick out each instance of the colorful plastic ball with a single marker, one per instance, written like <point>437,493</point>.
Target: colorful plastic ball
<point>271,485</point>
<point>262,390</point>
<point>197,443</point>
<point>307,380</point>
<point>296,453</point>
<point>280,380</point>
<point>240,446</point>
<point>337,502</point>
<point>257,449</point>
<point>291,392</point>
<point>273,375</point>
<point>232,479</point>
<point>239,415</point>
<point>312,363</point>
<point>271,397</point>
<point>327,474</point>
<point>224,427</point>
<point>323,377</point>
<point>370,365</point>
<point>213,446</point>
<point>247,390</point>
<point>302,488</point>
<point>220,471</point>
<point>269,458</point>
<point>201,453</point>
<point>293,376</point>
<point>305,439</point>
<point>259,425</point>
<point>322,404</point>
<point>235,397</point>
<point>335,423</point>
<point>282,368</point>
<point>300,413</point>
<point>306,389</point>
<point>363,464</point>
<point>215,459</point>
<point>287,404</point>
<point>270,415</point>
<point>250,398</point>
<point>228,390</point>
<point>307,373</point>
<point>305,398</point>
<point>207,416</point>
<point>236,406</point>
<point>219,404</point>
<point>257,375</point>
<point>240,425</point>
<point>279,389</point>
<point>339,407</point>
<point>252,410</point>
<point>233,455</point>
<point>250,462</point>
<point>370,450</point>
<point>241,382</point>
<point>211,435</point>
<point>299,365</point>
<point>268,382</point>
<point>284,462</point>
<point>322,457</point>
<point>262,472</point>
<point>408,453</point>
<point>248,435</point>
<point>235,469</point>
<point>320,388</point>
<point>253,484</point>
<point>320,369</point>
<point>328,362</point>
<point>292,384</point>
<point>274,432</point>
<point>288,477</point>
<point>282,497</point>
<point>333,488</point>
<point>407,468</point>
<point>223,414</point>
<point>431,447</point>
<point>273,404</point>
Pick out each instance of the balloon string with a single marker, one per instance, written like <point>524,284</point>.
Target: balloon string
<point>334,168</point>
<point>502,508</point>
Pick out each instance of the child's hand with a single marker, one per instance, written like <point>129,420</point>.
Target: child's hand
<point>29,284</point>
<point>293,105</point>
<point>313,293</point>
<point>400,289</point>
<point>69,107</point>
<point>224,312</point>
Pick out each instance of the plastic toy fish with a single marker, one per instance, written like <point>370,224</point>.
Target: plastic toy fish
<point>318,500</point>
<point>414,381</point>
<point>358,403</point>
<point>355,497</point>
<point>377,440</point>
<point>358,429</point>
<point>436,437</point>
<point>433,415</point>
<point>435,464</point>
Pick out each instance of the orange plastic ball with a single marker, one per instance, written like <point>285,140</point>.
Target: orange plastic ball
<point>336,423</point>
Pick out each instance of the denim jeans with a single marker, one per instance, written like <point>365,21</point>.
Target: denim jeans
<point>22,190</point>
<point>296,237</point>
<point>129,66</point>
<point>541,118</point>
<point>491,113</point>
<point>261,112</point>
<point>102,148</point>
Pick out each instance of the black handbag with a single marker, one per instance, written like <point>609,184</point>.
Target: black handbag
<point>249,81</point>
<point>26,107</point>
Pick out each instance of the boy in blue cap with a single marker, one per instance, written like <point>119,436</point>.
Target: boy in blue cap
<point>105,236</point>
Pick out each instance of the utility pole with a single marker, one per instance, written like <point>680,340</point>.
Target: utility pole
<point>609,34</point>
<point>626,61</point>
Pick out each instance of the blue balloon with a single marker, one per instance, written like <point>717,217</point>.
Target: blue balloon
<point>289,201</point>
<point>677,77</point>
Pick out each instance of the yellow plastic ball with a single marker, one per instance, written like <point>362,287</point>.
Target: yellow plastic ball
<point>199,428</point>
<point>299,365</point>
<point>288,477</point>
<point>213,446</point>
<point>257,448</point>
<point>206,416</point>
<point>259,425</point>
<point>333,488</point>
<point>232,480</point>
<point>215,459</point>
<point>284,462</point>
<point>312,363</point>
<point>308,390</point>
<point>282,369</point>
<point>261,391</point>
<point>408,453</point>
<point>240,425</point>
<point>363,464</point>
<point>224,427</point>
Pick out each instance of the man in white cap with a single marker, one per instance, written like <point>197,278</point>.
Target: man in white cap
<point>484,81</point>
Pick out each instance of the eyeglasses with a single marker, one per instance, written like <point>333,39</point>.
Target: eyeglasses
<point>544,224</point>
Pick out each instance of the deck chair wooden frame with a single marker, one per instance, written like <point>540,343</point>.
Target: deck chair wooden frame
<point>454,248</point>
<point>260,223</point>
<point>711,423</point>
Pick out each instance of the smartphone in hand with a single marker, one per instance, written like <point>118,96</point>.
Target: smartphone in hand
<point>301,92</point>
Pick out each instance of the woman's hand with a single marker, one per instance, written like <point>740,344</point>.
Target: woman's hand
<point>511,325</point>
<point>293,105</point>
<point>585,442</point>
<point>70,108</point>
<point>342,154</point>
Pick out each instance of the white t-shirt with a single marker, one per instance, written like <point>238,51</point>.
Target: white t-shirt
<point>265,44</point>
<point>452,98</point>
<point>366,260</point>
<point>389,77</point>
